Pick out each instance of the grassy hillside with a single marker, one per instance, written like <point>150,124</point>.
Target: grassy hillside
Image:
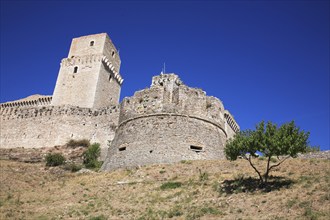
<point>187,190</point>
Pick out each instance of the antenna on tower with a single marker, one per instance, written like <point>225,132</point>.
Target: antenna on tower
<point>163,69</point>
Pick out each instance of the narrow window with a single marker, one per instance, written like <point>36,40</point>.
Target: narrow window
<point>113,53</point>
<point>91,43</point>
<point>110,77</point>
<point>75,70</point>
<point>196,148</point>
<point>122,148</point>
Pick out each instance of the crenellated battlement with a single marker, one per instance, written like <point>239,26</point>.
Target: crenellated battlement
<point>77,60</point>
<point>166,79</point>
<point>83,61</point>
<point>111,68</point>
<point>16,112</point>
<point>231,121</point>
<point>168,94</point>
<point>40,101</point>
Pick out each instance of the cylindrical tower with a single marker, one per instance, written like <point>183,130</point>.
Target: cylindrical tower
<point>167,123</point>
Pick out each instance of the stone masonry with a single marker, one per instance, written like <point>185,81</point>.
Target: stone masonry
<point>165,123</point>
<point>89,77</point>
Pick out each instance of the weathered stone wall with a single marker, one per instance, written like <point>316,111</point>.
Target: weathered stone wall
<point>47,126</point>
<point>111,52</point>
<point>169,95</point>
<point>95,44</point>
<point>77,88</point>
<point>169,122</point>
<point>107,89</point>
<point>164,138</point>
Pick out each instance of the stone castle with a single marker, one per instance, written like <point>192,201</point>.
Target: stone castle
<point>165,123</point>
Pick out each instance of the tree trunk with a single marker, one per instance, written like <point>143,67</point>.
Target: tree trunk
<point>267,170</point>
<point>255,169</point>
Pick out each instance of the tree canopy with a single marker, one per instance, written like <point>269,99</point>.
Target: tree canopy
<point>270,140</point>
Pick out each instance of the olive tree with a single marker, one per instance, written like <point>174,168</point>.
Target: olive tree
<point>270,140</point>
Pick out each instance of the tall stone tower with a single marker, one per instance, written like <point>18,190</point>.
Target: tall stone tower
<point>90,76</point>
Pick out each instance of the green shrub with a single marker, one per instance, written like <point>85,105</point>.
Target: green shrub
<point>55,159</point>
<point>78,143</point>
<point>91,155</point>
<point>73,167</point>
<point>170,185</point>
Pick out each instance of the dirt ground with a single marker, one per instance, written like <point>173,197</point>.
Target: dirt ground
<point>219,189</point>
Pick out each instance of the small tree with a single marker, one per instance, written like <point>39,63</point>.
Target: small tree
<point>91,156</point>
<point>285,141</point>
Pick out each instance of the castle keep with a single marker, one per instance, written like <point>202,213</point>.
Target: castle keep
<point>90,76</point>
<point>165,123</point>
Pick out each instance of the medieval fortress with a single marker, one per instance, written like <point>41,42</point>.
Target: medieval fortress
<point>165,123</point>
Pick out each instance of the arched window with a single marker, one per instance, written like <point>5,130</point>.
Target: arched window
<point>91,43</point>
<point>75,70</point>
<point>113,54</point>
<point>110,77</point>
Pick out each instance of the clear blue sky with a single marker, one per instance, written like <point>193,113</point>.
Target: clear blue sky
<point>266,60</point>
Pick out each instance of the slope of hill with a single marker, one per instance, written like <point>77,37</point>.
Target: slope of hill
<point>187,190</point>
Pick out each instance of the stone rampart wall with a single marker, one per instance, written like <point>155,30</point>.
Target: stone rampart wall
<point>164,139</point>
<point>48,126</point>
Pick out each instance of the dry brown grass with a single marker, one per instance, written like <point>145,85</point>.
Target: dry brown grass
<point>208,190</point>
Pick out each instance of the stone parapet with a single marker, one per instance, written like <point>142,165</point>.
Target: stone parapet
<point>231,121</point>
<point>23,113</point>
<point>77,60</point>
<point>40,101</point>
<point>168,94</point>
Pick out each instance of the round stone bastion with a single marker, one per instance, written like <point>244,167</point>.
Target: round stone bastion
<point>167,123</point>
